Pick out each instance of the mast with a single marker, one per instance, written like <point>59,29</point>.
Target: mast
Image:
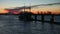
<point>24,7</point>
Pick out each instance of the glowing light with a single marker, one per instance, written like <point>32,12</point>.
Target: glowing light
<point>3,11</point>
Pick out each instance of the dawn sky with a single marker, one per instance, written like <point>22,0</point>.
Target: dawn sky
<point>19,3</point>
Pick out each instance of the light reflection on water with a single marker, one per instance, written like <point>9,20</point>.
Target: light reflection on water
<point>11,25</point>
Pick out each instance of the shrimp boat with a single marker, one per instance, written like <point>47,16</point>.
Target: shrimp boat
<point>25,16</point>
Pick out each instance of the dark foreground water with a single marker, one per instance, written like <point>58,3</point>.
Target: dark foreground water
<point>9,24</point>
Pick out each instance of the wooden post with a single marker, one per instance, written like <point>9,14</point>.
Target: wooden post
<point>42,18</point>
<point>42,21</point>
<point>52,23</point>
<point>35,21</point>
<point>35,17</point>
<point>52,19</point>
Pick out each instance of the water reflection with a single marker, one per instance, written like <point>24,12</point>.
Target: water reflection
<point>42,27</point>
<point>27,27</point>
<point>52,29</point>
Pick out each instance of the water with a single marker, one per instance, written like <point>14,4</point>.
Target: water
<point>10,24</point>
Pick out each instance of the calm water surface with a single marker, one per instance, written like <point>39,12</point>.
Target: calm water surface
<point>10,24</point>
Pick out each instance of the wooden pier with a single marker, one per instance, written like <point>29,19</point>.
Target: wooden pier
<point>42,18</point>
<point>51,21</point>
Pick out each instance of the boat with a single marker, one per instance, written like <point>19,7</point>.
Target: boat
<point>25,16</point>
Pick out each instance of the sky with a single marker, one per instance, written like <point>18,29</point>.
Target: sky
<point>19,3</point>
